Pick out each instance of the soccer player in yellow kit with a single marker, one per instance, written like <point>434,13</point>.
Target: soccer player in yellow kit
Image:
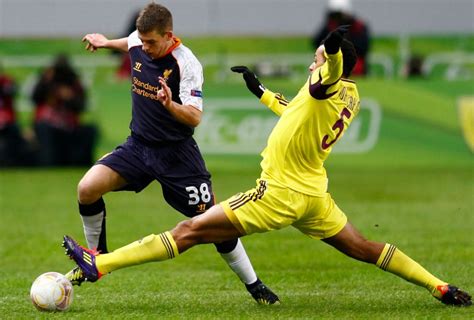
<point>292,189</point>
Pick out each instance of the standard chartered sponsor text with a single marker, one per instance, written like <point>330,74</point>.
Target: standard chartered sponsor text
<point>144,89</point>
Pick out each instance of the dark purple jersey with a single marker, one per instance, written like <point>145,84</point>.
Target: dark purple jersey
<point>151,122</point>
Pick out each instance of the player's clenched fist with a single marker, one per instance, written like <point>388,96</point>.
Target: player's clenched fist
<point>334,39</point>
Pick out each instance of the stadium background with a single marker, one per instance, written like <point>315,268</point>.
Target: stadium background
<point>409,182</point>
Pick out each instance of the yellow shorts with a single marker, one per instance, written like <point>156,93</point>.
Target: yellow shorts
<point>270,206</point>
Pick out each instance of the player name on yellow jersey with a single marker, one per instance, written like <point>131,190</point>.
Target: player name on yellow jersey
<point>310,124</point>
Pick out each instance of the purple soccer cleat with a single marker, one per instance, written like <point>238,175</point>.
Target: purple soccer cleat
<point>83,257</point>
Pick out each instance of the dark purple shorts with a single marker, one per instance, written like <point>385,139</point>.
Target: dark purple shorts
<point>178,167</point>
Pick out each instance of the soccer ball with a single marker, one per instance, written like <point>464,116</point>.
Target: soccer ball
<point>51,291</point>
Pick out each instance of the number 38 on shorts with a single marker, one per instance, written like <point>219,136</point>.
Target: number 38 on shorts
<point>200,196</point>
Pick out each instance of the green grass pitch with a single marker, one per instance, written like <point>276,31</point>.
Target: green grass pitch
<point>414,190</point>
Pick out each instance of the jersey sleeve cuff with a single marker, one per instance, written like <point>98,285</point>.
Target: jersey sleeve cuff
<point>267,97</point>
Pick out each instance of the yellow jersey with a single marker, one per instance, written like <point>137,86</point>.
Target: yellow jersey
<point>308,127</point>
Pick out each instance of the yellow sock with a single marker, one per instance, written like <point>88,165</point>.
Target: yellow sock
<point>395,261</point>
<point>151,248</point>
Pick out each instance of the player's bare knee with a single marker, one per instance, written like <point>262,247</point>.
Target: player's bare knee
<point>184,231</point>
<point>86,193</point>
<point>182,227</point>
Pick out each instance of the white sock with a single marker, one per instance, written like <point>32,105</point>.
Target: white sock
<point>92,228</point>
<point>239,262</point>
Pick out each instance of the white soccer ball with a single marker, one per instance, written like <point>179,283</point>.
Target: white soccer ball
<point>51,291</point>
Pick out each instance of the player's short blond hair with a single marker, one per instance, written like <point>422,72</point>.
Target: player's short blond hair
<point>154,17</point>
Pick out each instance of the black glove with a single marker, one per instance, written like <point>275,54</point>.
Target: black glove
<point>251,80</point>
<point>334,39</point>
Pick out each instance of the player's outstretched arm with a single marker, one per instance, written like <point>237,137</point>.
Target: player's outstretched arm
<point>254,85</point>
<point>324,80</point>
<point>275,101</point>
<point>96,41</point>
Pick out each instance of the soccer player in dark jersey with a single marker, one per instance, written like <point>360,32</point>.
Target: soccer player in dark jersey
<point>166,107</point>
<point>292,188</point>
